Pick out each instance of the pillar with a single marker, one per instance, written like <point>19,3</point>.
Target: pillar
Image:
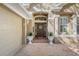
<point>75,25</point>
<point>56,25</point>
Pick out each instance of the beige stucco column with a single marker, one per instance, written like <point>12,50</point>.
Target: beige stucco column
<point>29,26</point>
<point>74,24</point>
<point>25,30</point>
<point>56,25</point>
<point>75,28</point>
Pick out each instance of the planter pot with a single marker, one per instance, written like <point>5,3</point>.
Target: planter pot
<point>30,38</point>
<point>50,39</point>
<point>64,33</point>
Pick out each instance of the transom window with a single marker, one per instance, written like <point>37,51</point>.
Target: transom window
<point>40,18</point>
<point>63,24</point>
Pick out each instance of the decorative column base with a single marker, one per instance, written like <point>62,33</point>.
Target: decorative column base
<point>29,42</point>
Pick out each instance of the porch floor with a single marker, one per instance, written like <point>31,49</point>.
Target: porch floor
<point>44,49</point>
<point>40,40</point>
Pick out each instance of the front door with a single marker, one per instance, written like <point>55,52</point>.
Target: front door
<point>40,29</point>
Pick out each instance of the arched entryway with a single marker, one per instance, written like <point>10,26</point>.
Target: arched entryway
<point>40,27</point>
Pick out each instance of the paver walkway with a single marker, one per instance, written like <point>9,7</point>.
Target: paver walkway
<point>44,49</point>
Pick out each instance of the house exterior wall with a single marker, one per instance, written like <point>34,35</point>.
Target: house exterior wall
<point>24,31</point>
<point>10,31</point>
<point>29,26</point>
<point>17,8</point>
<point>51,25</point>
<point>71,29</point>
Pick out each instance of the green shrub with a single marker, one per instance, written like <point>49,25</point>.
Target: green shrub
<point>29,34</point>
<point>50,34</point>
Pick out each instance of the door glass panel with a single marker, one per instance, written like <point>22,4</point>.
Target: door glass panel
<point>41,29</point>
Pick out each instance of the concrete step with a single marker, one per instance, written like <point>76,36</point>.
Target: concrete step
<point>40,40</point>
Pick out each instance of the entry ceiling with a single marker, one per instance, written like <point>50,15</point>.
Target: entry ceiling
<point>33,7</point>
<point>46,7</point>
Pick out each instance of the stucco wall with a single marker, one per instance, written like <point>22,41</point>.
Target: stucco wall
<point>51,26</point>
<point>10,31</point>
<point>29,26</point>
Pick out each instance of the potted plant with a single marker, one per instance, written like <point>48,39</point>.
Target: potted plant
<point>30,37</point>
<point>50,37</point>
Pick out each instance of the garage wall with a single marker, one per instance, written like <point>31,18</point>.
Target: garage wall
<point>10,31</point>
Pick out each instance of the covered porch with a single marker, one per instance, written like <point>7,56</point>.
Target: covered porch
<point>38,21</point>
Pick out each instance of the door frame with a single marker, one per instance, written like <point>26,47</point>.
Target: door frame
<point>35,28</point>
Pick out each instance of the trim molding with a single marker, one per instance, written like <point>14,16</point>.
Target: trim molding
<point>16,8</point>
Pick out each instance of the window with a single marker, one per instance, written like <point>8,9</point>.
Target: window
<point>63,24</point>
<point>40,18</point>
<point>77,25</point>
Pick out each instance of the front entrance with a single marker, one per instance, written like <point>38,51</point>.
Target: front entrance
<point>40,29</point>
<point>40,33</point>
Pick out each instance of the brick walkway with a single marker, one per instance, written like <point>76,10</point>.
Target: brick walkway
<point>44,49</point>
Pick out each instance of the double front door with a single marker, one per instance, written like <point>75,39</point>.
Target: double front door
<point>40,29</point>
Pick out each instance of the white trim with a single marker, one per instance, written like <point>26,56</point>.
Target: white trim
<point>67,35</point>
<point>40,21</point>
<point>61,24</point>
<point>56,25</point>
<point>25,11</point>
<point>39,16</point>
<point>75,25</point>
<point>16,10</point>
